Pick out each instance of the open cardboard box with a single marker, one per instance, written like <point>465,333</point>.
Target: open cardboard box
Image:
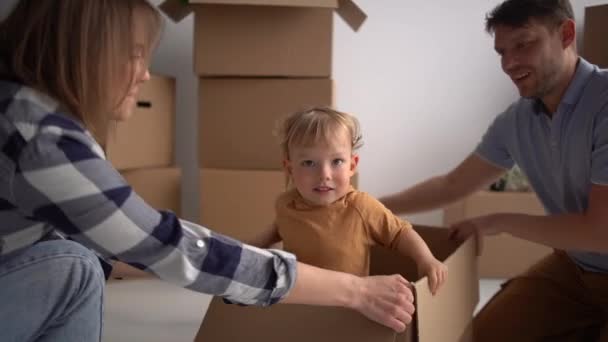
<point>290,38</point>
<point>444,317</point>
<point>497,259</point>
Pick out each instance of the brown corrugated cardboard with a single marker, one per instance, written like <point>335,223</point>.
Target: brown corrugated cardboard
<point>445,317</point>
<point>160,188</point>
<point>347,9</point>
<point>239,203</point>
<point>262,41</point>
<point>237,118</point>
<point>498,259</point>
<point>146,139</point>
<point>595,35</point>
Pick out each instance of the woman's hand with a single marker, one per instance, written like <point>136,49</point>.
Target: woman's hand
<point>387,300</point>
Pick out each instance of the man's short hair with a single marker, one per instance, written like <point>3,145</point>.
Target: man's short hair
<point>517,13</point>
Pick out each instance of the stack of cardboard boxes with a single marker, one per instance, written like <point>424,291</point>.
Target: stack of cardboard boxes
<point>142,149</point>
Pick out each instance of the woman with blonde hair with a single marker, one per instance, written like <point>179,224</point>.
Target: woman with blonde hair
<point>68,68</point>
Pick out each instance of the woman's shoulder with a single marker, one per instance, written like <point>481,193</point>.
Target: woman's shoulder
<point>33,112</point>
<point>33,118</point>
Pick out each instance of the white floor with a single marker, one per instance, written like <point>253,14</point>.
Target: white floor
<point>152,311</point>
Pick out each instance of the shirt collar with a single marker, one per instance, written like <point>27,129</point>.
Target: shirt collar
<point>581,76</point>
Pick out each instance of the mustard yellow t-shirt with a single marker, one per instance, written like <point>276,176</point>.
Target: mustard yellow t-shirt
<point>338,236</point>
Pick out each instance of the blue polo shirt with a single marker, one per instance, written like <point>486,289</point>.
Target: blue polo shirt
<point>561,156</point>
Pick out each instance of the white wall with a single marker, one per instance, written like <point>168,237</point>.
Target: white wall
<point>422,77</point>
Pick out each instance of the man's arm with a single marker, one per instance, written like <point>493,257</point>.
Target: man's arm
<point>585,232</point>
<point>472,174</point>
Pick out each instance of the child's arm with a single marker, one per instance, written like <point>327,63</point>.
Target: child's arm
<point>266,238</point>
<point>411,244</point>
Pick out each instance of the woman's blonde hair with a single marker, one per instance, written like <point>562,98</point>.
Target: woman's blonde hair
<point>317,125</point>
<point>77,51</point>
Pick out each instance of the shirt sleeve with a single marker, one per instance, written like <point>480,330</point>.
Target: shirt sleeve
<point>599,154</point>
<point>60,180</point>
<point>383,226</point>
<point>493,146</point>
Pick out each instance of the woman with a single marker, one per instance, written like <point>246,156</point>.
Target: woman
<point>70,68</point>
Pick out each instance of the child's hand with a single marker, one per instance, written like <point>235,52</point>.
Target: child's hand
<point>436,271</point>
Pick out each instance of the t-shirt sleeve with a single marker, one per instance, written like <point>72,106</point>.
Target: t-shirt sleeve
<point>384,228</point>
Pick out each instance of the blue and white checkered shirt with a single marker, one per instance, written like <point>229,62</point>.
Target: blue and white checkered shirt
<point>54,178</point>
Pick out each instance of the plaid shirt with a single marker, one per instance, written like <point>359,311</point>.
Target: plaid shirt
<point>54,178</point>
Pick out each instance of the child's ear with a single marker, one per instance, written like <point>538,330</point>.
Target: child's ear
<point>287,166</point>
<point>354,161</point>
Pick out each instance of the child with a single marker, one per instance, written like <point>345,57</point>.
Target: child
<point>323,220</point>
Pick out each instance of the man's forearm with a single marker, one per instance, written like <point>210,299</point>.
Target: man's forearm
<point>431,194</point>
<point>566,231</point>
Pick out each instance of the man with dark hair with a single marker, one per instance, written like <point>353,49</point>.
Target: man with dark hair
<point>557,133</point>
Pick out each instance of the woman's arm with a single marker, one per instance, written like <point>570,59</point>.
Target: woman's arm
<point>387,300</point>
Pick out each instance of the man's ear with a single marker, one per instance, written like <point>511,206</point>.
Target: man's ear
<point>568,33</point>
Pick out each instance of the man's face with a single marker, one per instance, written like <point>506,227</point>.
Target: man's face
<point>532,56</point>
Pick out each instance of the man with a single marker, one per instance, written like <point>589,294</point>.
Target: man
<point>557,133</point>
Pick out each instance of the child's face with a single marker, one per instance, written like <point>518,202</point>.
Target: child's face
<point>322,172</point>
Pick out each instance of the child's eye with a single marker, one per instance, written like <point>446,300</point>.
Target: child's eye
<point>337,162</point>
<point>307,163</point>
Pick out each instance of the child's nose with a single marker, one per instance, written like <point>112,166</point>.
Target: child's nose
<point>325,172</point>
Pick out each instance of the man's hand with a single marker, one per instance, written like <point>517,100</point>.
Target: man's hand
<point>478,227</point>
<point>387,300</point>
<point>436,272</point>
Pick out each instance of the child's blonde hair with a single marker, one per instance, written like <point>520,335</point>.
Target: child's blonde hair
<point>317,125</point>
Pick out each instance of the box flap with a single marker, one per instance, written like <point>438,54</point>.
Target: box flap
<point>346,9</point>
<point>288,322</point>
<point>452,308</point>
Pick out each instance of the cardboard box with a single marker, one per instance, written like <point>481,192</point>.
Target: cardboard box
<point>445,317</point>
<point>264,37</point>
<point>497,259</point>
<point>262,41</point>
<point>160,188</point>
<point>595,41</point>
<point>239,203</point>
<point>238,118</point>
<point>147,138</point>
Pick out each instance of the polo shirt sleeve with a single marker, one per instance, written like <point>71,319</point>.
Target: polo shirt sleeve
<point>493,147</point>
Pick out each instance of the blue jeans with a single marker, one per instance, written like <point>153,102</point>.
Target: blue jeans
<point>51,291</point>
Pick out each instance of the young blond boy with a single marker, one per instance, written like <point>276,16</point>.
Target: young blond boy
<point>323,220</point>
